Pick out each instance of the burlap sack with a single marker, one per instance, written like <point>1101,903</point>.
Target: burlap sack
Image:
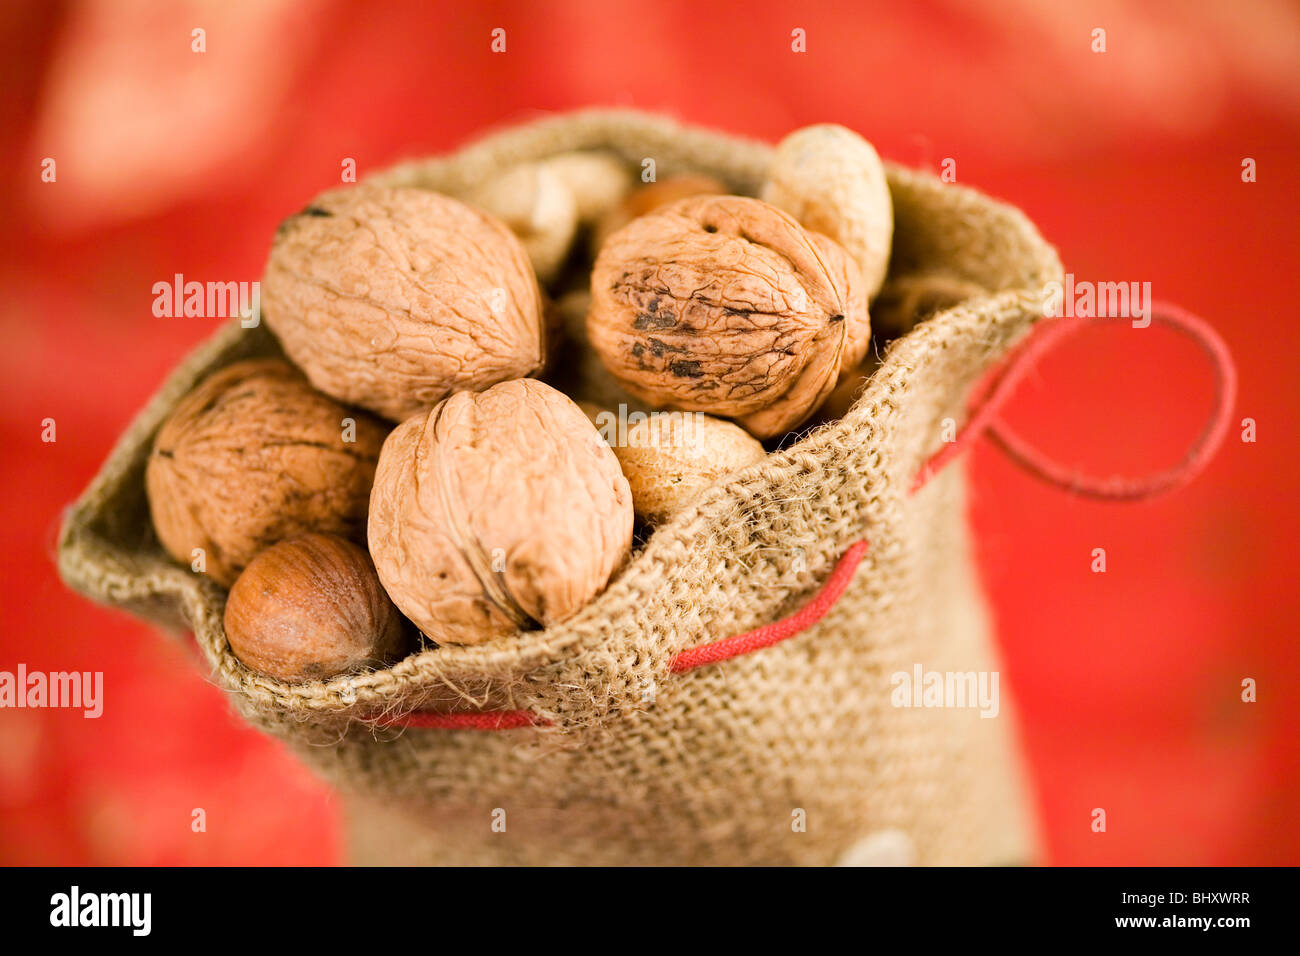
<point>790,754</point>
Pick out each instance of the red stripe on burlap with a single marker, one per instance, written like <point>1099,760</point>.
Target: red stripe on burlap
<point>767,635</point>
<point>465,720</point>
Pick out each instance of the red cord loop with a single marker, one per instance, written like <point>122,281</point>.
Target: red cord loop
<point>983,416</point>
<point>982,420</point>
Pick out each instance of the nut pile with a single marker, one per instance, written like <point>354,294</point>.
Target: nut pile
<point>486,395</point>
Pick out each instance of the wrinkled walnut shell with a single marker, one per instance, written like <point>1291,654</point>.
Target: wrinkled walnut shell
<point>392,299</point>
<point>497,512</point>
<point>723,305</point>
<point>255,455</point>
<point>312,608</point>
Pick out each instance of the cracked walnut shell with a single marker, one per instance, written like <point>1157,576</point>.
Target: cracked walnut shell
<point>393,298</point>
<point>723,305</point>
<point>496,512</point>
<point>255,455</point>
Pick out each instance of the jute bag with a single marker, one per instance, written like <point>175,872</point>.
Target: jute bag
<point>611,738</point>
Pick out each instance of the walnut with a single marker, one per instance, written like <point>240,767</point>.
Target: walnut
<point>252,456</point>
<point>832,181</point>
<point>668,458</point>
<point>724,305</point>
<point>311,608</point>
<point>538,207</point>
<point>847,277</point>
<point>392,299</point>
<point>643,201</point>
<point>497,512</point>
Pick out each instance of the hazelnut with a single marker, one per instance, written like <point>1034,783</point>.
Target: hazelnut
<point>832,181</point>
<point>496,512</point>
<point>393,298</point>
<point>311,608</point>
<point>668,458</point>
<point>255,455</point>
<point>656,195</point>
<point>539,208</point>
<point>723,305</point>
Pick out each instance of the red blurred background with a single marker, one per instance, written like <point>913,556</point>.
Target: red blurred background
<point>1130,161</point>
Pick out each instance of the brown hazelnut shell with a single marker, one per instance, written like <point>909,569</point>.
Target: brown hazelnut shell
<point>312,608</point>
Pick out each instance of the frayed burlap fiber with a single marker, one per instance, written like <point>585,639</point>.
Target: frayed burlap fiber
<point>790,754</point>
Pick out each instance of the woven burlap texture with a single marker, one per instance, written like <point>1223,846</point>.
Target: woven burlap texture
<point>786,755</point>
